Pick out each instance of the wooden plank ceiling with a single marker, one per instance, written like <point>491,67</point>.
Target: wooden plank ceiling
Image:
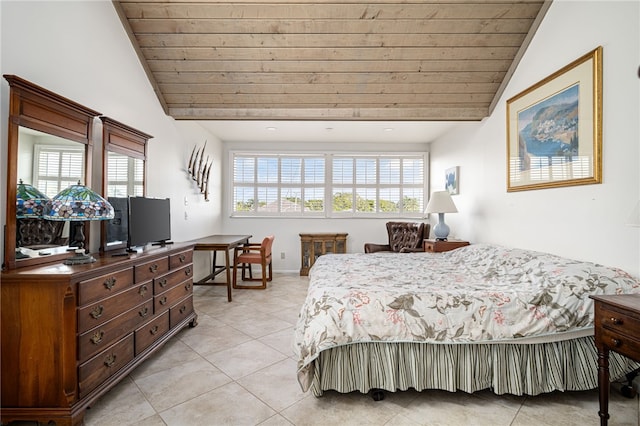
<point>330,60</point>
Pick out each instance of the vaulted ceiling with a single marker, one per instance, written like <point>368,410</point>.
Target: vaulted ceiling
<point>386,60</point>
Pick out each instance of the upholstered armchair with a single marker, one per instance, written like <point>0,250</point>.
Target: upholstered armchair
<point>404,237</point>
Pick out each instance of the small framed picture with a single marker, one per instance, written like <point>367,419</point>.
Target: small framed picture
<point>451,183</point>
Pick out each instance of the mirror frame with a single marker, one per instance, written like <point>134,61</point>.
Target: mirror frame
<point>40,109</point>
<point>125,140</point>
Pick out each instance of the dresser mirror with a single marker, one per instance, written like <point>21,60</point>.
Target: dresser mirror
<point>124,155</point>
<point>49,147</point>
<point>49,164</point>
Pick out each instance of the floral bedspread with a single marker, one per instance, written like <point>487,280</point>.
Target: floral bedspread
<point>479,293</point>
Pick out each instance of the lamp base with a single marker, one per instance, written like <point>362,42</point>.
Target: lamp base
<point>441,230</point>
<point>80,259</point>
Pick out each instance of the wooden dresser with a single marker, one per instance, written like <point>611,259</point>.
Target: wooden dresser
<point>617,328</point>
<point>70,333</point>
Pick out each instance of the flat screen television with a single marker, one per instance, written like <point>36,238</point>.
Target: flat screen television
<point>149,221</point>
<point>118,227</point>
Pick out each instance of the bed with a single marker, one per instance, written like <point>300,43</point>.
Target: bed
<point>480,317</point>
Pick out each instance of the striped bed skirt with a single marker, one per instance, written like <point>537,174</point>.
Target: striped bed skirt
<point>531,369</point>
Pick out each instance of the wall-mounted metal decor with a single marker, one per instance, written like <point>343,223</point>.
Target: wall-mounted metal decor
<point>199,169</point>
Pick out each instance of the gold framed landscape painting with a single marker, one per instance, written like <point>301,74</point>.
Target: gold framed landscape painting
<point>554,129</point>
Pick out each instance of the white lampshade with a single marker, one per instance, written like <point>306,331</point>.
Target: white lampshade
<point>441,202</point>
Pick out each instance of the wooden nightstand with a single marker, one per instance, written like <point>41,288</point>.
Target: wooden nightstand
<point>434,246</point>
<point>617,328</point>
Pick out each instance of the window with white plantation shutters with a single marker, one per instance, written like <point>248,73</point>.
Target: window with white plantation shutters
<point>378,185</point>
<point>125,175</point>
<point>117,173</point>
<point>278,184</point>
<point>328,185</point>
<point>57,167</point>
<point>138,177</point>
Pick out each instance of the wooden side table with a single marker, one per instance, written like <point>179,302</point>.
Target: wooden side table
<point>617,328</point>
<point>314,245</point>
<point>435,246</point>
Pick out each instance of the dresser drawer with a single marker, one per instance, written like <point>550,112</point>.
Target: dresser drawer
<point>105,364</point>
<point>620,343</point>
<point>150,270</point>
<point>100,312</point>
<point>180,259</point>
<point>622,323</point>
<point>104,286</point>
<point>435,246</point>
<point>93,341</point>
<point>172,279</point>
<point>429,246</point>
<point>151,332</point>
<point>180,311</point>
<point>164,301</point>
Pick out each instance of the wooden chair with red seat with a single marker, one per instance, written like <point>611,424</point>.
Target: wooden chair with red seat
<point>250,254</point>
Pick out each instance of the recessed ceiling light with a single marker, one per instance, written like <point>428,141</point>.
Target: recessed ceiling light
<point>388,129</point>
<point>272,129</point>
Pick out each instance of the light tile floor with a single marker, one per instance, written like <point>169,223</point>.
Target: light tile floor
<point>237,368</point>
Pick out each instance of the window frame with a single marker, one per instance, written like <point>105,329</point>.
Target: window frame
<point>328,185</point>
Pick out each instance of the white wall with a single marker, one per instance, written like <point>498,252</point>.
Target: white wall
<point>79,49</point>
<point>581,222</point>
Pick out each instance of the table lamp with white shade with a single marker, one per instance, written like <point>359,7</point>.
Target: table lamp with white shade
<point>441,203</point>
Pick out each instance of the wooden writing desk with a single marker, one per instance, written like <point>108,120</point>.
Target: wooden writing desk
<point>216,243</point>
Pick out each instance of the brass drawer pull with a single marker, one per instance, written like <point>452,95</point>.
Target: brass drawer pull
<point>188,271</point>
<point>143,290</point>
<point>616,342</point>
<point>163,301</point>
<point>616,321</point>
<point>97,337</point>
<point>163,282</point>
<point>97,312</point>
<point>144,312</point>
<point>183,309</point>
<point>153,268</point>
<point>109,283</point>
<point>182,258</point>
<point>109,360</point>
<point>187,286</point>
<point>154,330</point>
